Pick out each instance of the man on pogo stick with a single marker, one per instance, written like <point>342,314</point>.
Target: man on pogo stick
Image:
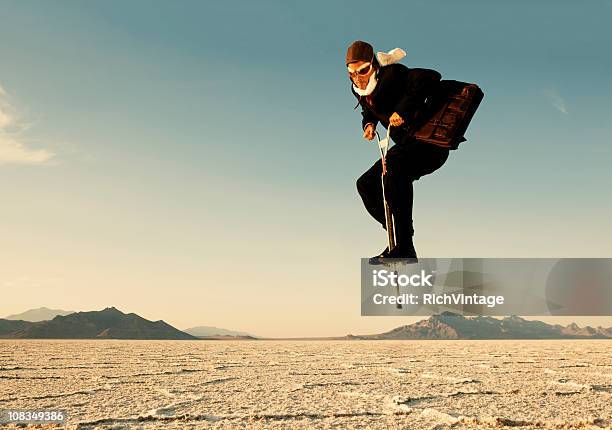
<point>394,96</point>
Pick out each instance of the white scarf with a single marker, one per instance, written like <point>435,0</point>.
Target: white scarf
<point>384,59</point>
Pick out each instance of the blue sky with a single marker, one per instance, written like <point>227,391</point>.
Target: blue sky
<point>196,161</point>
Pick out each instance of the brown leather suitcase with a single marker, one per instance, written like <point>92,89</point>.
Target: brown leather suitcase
<point>449,113</point>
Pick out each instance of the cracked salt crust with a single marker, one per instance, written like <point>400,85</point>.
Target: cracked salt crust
<point>107,384</point>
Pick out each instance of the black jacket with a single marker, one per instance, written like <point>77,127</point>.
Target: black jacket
<point>402,90</point>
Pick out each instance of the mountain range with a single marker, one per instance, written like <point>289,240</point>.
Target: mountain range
<point>449,325</point>
<point>208,331</point>
<point>38,314</point>
<point>109,323</point>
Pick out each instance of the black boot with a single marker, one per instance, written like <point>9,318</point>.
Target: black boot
<point>404,251</point>
<point>378,259</point>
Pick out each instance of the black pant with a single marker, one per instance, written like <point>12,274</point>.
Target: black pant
<point>406,163</point>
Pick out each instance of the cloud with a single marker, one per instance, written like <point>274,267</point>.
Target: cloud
<point>13,149</point>
<point>556,100</point>
<point>5,119</point>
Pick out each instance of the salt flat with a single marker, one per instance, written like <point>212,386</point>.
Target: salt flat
<point>112,384</point>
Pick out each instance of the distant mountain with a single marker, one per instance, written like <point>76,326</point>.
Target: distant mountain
<point>207,331</point>
<point>8,327</point>
<point>39,314</point>
<point>449,325</point>
<point>109,323</point>
<point>227,337</point>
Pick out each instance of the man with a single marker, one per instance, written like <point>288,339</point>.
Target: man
<point>392,94</point>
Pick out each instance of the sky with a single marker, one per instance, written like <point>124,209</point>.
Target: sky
<point>196,161</point>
